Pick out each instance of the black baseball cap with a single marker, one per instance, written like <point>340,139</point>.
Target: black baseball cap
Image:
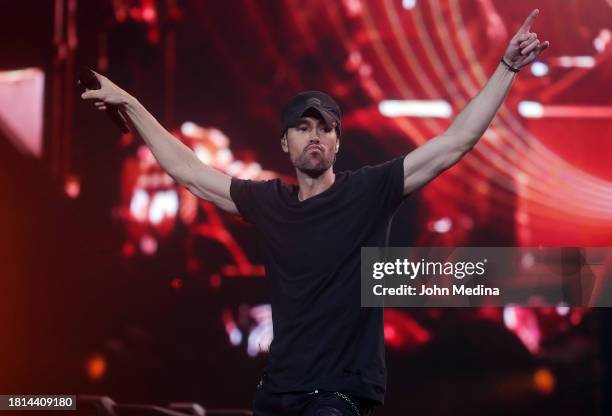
<point>311,100</point>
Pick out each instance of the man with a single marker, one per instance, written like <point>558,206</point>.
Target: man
<point>327,356</point>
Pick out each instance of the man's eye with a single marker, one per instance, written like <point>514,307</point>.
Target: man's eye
<point>301,128</point>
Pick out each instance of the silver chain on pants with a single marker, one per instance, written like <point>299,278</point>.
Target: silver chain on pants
<point>349,401</point>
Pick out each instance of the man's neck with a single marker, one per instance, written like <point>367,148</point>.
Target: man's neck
<point>309,187</point>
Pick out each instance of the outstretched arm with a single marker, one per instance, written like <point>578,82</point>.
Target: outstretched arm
<point>440,153</point>
<point>172,155</point>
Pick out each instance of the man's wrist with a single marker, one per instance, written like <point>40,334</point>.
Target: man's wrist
<point>509,66</point>
<point>129,103</point>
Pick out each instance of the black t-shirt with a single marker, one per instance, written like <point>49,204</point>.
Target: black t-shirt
<point>323,338</point>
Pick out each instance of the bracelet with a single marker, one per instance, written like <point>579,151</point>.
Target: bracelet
<point>510,67</point>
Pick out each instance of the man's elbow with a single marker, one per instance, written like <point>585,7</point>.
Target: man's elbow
<point>453,157</point>
<point>464,140</point>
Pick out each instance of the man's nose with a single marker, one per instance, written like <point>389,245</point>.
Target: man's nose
<point>314,139</point>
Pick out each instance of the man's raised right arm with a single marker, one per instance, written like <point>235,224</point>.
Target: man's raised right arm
<point>178,160</point>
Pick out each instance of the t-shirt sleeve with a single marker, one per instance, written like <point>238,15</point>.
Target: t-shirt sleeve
<point>384,184</point>
<point>248,196</point>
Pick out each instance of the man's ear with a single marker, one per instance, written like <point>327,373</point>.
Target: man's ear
<point>284,143</point>
<point>337,145</point>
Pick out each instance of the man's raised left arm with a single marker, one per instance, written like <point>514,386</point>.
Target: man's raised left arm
<point>441,152</point>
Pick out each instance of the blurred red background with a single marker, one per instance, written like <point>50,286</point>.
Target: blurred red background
<point>118,282</point>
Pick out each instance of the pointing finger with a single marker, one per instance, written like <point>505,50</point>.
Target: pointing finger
<point>529,21</point>
<point>101,78</point>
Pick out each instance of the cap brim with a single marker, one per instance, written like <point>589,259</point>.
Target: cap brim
<point>329,119</point>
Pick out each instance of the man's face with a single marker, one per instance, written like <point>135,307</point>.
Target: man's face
<point>312,146</point>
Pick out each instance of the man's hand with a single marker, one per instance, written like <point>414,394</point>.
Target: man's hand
<point>440,153</point>
<point>108,94</point>
<point>525,46</point>
<point>173,156</point>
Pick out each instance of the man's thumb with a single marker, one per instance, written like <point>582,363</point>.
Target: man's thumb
<point>89,94</point>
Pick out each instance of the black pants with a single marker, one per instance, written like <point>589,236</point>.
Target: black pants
<point>315,403</point>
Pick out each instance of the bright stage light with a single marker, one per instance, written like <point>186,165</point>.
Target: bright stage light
<point>235,336</point>
<point>539,69</point>
<point>96,367</point>
<point>576,61</point>
<point>602,40</point>
<point>563,310</point>
<point>510,319</point>
<point>72,187</point>
<point>139,205</point>
<point>443,225</point>
<point>189,129</point>
<point>224,157</point>
<point>544,381</point>
<point>21,109</point>
<point>148,245</point>
<point>408,4</point>
<point>163,205</point>
<point>202,153</point>
<point>260,337</point>
<point>415,108</point>
<point>530,109</point>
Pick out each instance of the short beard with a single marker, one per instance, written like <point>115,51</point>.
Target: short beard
<point>316,168</point>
